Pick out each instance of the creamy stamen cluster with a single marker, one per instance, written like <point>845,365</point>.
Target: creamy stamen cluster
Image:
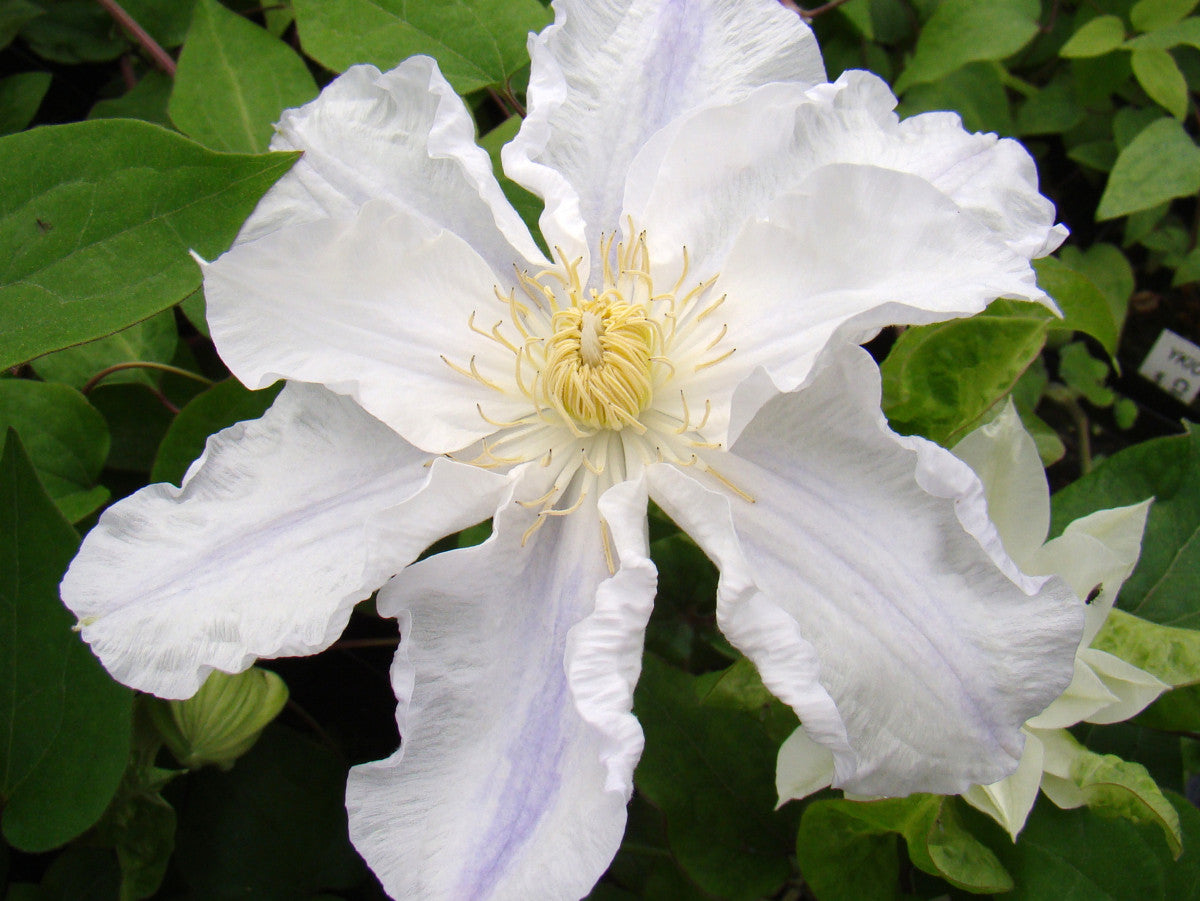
<point>605,369</point>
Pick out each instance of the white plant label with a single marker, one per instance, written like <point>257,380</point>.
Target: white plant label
<point>1174,365</point>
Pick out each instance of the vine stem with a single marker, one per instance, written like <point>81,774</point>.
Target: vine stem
<point>498,99</point>
<point>1063,396</point>
<point>141,364</point>
<point>158,56</point>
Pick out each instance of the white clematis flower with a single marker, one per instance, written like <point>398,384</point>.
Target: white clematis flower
<point>1095,555</point>
<point>726,228</point>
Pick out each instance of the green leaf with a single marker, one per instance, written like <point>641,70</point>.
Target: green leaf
<point>206,414</point>
<point>741,688</point>
<point>1106,267</point>
<point>975,92</point>
<point>938,379</point>
<point>477,43</point>
<point>1160,754</point>
<point>1161,163</point>
<point>151,340</point>
<point>66,438</point>
<point>1143,223</point>
<point>96,221</point>
<point>1052,110</point>
<point>1189,269</point>
<point>680,628</point>
<point>1098,155</point>
<point>74,31</point>
<point>137,422</point>
<point>1084,374</point>
<point>233,81</point>
<point>1116,787</point>
<point>965,31</point>
<point>644,866</point>
<point>1169,241</point>
<point>166,20</point>
<point>1027,394</point>
<point>1130,121</point>
<point>1146,15</point>
<point>20,97</point>
<point>892,21</point>
<point>1174,711</point>
<point>139,824</point>
<point>273,828</point>
<point>279,18</point>
<point>838,838</point>
<point>196,310</point>
<point>1159,77</point>
<point>13,16</point>
<point>1170,654</point>
<point>1097,78</point>
<point>711,771</point>
<point>1096,37</point>
<point>843,858</point>
<point>1084,306</point>
<point>1125,412</point>
<point>1078,854</point>
<point>1185,32</point>
<point>67,723</point>
<point>144,835</point>
<point>1166,583</point>
<point>146,100</point>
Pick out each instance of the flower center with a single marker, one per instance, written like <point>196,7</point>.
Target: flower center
<point>612,360</point>
<point>606,377</point>
<point>597,370</point>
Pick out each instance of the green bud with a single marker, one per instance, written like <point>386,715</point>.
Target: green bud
<point>223,720</point>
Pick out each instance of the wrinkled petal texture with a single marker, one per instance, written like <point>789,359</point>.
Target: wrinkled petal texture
<point>373,307</point>
<point>514,678</point>
<point>403,136</point>
<point>850,250</point>
<point>693,185</point>
<point>1006,460</point>
<point>933,656</point>
<point>609,73</point>
<point>267,546</point>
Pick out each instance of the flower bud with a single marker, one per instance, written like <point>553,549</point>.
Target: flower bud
<point>222,720</point>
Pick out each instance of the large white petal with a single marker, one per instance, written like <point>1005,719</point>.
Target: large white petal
<point>402,135</point>
<point>1095,555</point>
<point>1009,801</point>
<point>1061,752</point>
<point>863,542</point>
<point>1006,460</point>
<point>1083,697</point>
<point>802,767</point>
<point>1133,688</point>
<point>514,680</point>
<point>692,184</point>
<point>267,546</point>
<point>852,249</point>
<point>374,307</point>
<point>609,73</point>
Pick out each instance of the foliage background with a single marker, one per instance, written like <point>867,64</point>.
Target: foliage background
<point>158,115</point>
